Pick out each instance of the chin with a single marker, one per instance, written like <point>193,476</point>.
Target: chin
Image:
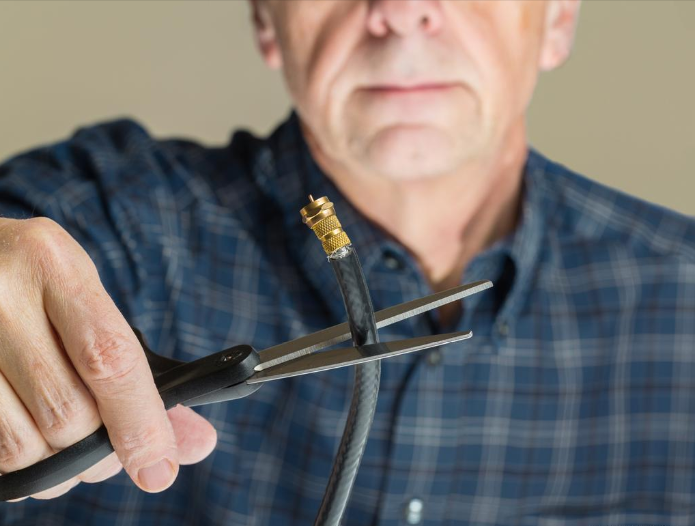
<point>411,152</point>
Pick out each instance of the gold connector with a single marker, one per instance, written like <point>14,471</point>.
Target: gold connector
<point>319,215</point>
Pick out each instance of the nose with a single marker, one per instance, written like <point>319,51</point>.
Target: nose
<point>404,17</point>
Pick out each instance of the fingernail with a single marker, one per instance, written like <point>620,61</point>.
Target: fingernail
<point>157,477</point>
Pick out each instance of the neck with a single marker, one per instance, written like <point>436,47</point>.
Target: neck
<point>444,221</point>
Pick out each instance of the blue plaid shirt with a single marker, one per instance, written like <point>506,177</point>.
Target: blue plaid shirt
<point>573,404</point>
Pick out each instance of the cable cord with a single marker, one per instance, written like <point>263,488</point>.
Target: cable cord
<point>360,313</point>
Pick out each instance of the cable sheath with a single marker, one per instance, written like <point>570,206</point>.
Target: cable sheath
<point>360,313</point>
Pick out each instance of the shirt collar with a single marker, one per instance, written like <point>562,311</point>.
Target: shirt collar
<point>287,173</point>
<point>526,244</point>
<point>523,246</point>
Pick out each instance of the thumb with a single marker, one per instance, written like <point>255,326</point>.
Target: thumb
<point>195,436</point>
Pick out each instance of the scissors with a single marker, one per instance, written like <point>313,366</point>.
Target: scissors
<point>237,372</point>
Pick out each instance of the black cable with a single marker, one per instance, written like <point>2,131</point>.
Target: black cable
<point>360,313</point>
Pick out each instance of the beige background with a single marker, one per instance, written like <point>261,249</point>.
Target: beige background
<point>621,110</point>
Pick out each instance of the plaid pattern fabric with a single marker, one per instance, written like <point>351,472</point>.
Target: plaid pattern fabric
<point>573,404</point>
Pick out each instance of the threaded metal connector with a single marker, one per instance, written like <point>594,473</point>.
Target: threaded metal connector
<point>319,215</point>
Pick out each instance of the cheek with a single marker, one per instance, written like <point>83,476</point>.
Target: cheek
<point>295,54</point>
<point>525,31</point>
<point>503,40</point>
<point>316,45</point>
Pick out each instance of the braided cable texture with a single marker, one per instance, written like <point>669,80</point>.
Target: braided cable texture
<point>360,312</point>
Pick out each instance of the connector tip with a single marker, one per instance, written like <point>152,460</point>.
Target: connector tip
<point>319,215</point>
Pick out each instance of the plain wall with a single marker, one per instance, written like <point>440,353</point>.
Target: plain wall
<point>620,111</point>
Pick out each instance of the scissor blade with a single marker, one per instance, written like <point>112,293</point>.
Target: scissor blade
<point>345,356</point>
<point>316,341</point>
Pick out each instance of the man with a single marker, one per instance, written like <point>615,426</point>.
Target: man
<point>573,402</point>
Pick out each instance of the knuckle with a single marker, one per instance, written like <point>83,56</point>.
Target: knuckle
<point>37,233</point>
<point>62,417</point>
<point>135,445</point>
<point>37,227</point>
<point>7,236</point>
<point>40,242</point>
<point>13,450</point>
<point>139,439</point>
<point>49,247</point>
<point>108,357</point>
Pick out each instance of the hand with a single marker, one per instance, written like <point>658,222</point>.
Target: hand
<point>70,361</point>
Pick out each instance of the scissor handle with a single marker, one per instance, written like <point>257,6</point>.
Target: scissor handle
<point>218,377</point>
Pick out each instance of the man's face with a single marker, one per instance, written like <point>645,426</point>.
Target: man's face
<point>406,89</point>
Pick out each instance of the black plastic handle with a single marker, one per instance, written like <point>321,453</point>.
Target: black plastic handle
<point>215,378</point>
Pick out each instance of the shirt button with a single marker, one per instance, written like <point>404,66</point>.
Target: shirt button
<point>503,328</point>
<point>392,262</point>
<point>434,357</point>
<point>413,511</point>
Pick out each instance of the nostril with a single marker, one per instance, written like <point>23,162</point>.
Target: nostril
<point>401,17</point>
<point>429,23</point>
<point>433,21</point>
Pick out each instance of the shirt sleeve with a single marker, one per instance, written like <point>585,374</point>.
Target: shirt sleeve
<point>89,185</point>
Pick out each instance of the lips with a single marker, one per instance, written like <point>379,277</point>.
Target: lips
<point>414,102</point>
<point>422,87</point>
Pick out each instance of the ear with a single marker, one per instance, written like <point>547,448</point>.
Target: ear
<point>266,36</point>
<point>560,23</point>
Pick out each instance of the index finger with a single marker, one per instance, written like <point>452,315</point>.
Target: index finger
<point>108,357</point>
